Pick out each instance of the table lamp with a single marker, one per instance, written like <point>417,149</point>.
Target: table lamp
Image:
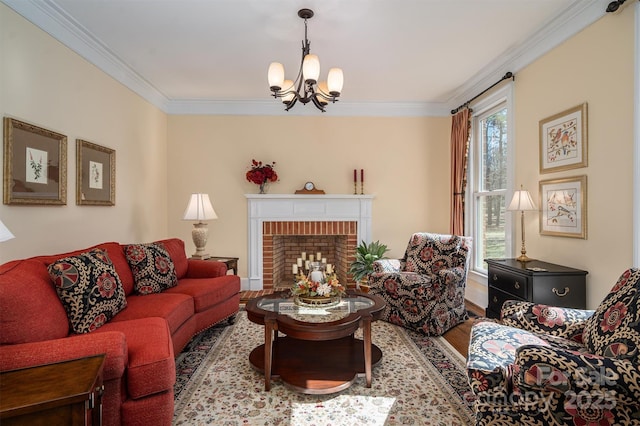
<point>199,209</point>
<point>522,202</point>
<point>5,234</point>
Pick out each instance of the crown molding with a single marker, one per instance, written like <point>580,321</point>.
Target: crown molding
<point>569,22</point>
<point>53,20</point>
<point>339,109</point>
<point>49,17</point>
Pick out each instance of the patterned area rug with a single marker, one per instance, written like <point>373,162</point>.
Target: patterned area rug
<point>419,381</point>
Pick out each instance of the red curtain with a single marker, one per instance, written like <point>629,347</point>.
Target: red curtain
<point>460,126</point>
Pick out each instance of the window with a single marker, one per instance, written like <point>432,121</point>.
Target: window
<point>490,180</point>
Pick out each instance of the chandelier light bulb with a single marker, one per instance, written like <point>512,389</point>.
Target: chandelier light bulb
<point>287,86</point>
<point>311,68</point>
<point>324,90</point>
<point>276,76</point>
<point>335,80</point>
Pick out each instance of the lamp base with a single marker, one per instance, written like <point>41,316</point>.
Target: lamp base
<point>200,234</point>
<point>524,258</point>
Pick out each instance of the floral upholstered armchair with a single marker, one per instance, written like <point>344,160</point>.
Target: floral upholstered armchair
<point>556,366</point>
<point>424,291</point>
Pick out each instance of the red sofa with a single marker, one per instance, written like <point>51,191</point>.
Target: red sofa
<point>139,342</point>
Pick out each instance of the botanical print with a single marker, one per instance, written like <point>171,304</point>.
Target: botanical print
<point>36,166</point>
<point>95,175</point>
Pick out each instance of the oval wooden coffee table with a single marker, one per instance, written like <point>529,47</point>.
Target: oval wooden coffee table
<point>319,354</point>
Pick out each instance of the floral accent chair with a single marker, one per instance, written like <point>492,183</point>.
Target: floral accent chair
<point>547,365</point>
<point>424,291</point>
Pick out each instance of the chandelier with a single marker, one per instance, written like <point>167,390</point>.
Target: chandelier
<point>306,87</point>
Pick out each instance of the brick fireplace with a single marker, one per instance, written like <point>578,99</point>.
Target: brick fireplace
<point>282,226</point>
<point>283,243</point>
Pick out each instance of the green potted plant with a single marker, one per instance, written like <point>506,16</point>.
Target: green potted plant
<point>366,254</point>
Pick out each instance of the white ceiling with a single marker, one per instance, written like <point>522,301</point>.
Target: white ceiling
<point>212,55</point>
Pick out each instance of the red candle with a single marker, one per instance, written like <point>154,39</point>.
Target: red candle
<point>355,176</point>
<point>361,175</point>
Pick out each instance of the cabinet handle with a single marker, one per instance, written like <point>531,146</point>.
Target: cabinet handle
<point>559,293</point>
<point>517,285</point>
<point>495,299</point>
<point>495,277</point>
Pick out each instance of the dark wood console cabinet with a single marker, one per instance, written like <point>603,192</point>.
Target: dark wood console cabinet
<point>534,281</point>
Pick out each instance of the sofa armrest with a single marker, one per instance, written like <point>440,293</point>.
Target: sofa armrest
<point>566,323</point>
<point>548,369</point>
<point>205,269</point>
<point>386,265</point>
<point>113,344</point>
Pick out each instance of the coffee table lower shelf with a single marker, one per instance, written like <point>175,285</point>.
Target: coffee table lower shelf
<point>316,366</point>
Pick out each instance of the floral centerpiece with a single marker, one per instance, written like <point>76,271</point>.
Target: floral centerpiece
<point>261,174</point>
<point>308,292</point>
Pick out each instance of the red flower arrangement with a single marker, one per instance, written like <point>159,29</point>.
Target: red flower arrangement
<point>261,174</point>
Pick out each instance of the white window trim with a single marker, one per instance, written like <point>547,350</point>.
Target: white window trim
<point>503,94</point>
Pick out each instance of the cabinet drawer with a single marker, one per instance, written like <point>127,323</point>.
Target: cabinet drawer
<point>569,292</point>
<point>497,297</point>
<point>515,284</point>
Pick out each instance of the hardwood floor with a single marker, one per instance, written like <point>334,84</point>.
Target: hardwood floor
<point>458,336</point>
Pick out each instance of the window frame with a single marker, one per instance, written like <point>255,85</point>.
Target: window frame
<point>502,97</point>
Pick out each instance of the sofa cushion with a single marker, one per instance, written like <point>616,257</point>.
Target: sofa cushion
<point>30,310</point>
<point>153,269</point>
<point>151,365</point>
<point>614,329</point>
<point>176,309</point>
<point>89,289</point>
<point>208,292</point>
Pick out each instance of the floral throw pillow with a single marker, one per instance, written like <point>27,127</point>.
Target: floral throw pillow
<point>614,329</point>
<point>152,267</point>
<point>89,288</point>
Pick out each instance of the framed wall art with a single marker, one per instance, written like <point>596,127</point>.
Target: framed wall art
<point>563,204</point>
<point>96,174</point>
<point>35,164</point>
<point>563,140</point>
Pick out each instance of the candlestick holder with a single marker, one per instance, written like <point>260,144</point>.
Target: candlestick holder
<point>355,188</point>
<point>361,188</point>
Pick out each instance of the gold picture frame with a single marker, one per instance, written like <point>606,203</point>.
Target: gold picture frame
<point>35,165</point>
<point>563,140</point>
<point>96,174</point>
<point>563,207</point>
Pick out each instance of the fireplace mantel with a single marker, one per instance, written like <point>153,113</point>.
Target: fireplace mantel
<point>309,208</point>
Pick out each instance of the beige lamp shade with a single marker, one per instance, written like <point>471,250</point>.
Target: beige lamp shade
<point>199,209</point>
<point>5,234</point>
<point>521,201</point>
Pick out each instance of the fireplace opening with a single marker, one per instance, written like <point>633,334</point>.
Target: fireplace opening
<point>284,242</point>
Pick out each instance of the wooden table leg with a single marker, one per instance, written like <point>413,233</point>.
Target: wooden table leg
<point>366,333</point>
<point>268,352</point>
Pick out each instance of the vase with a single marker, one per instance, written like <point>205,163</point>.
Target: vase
<point>263,188</point>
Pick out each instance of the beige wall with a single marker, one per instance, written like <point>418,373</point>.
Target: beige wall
<point>595,66</point>
<point>44,83</point>
<point>406,160</point>
<point>406,163</point>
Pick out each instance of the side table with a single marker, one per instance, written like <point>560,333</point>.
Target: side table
<point>65,393</point>
<point>534,281</point>
<point>231,262</point>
